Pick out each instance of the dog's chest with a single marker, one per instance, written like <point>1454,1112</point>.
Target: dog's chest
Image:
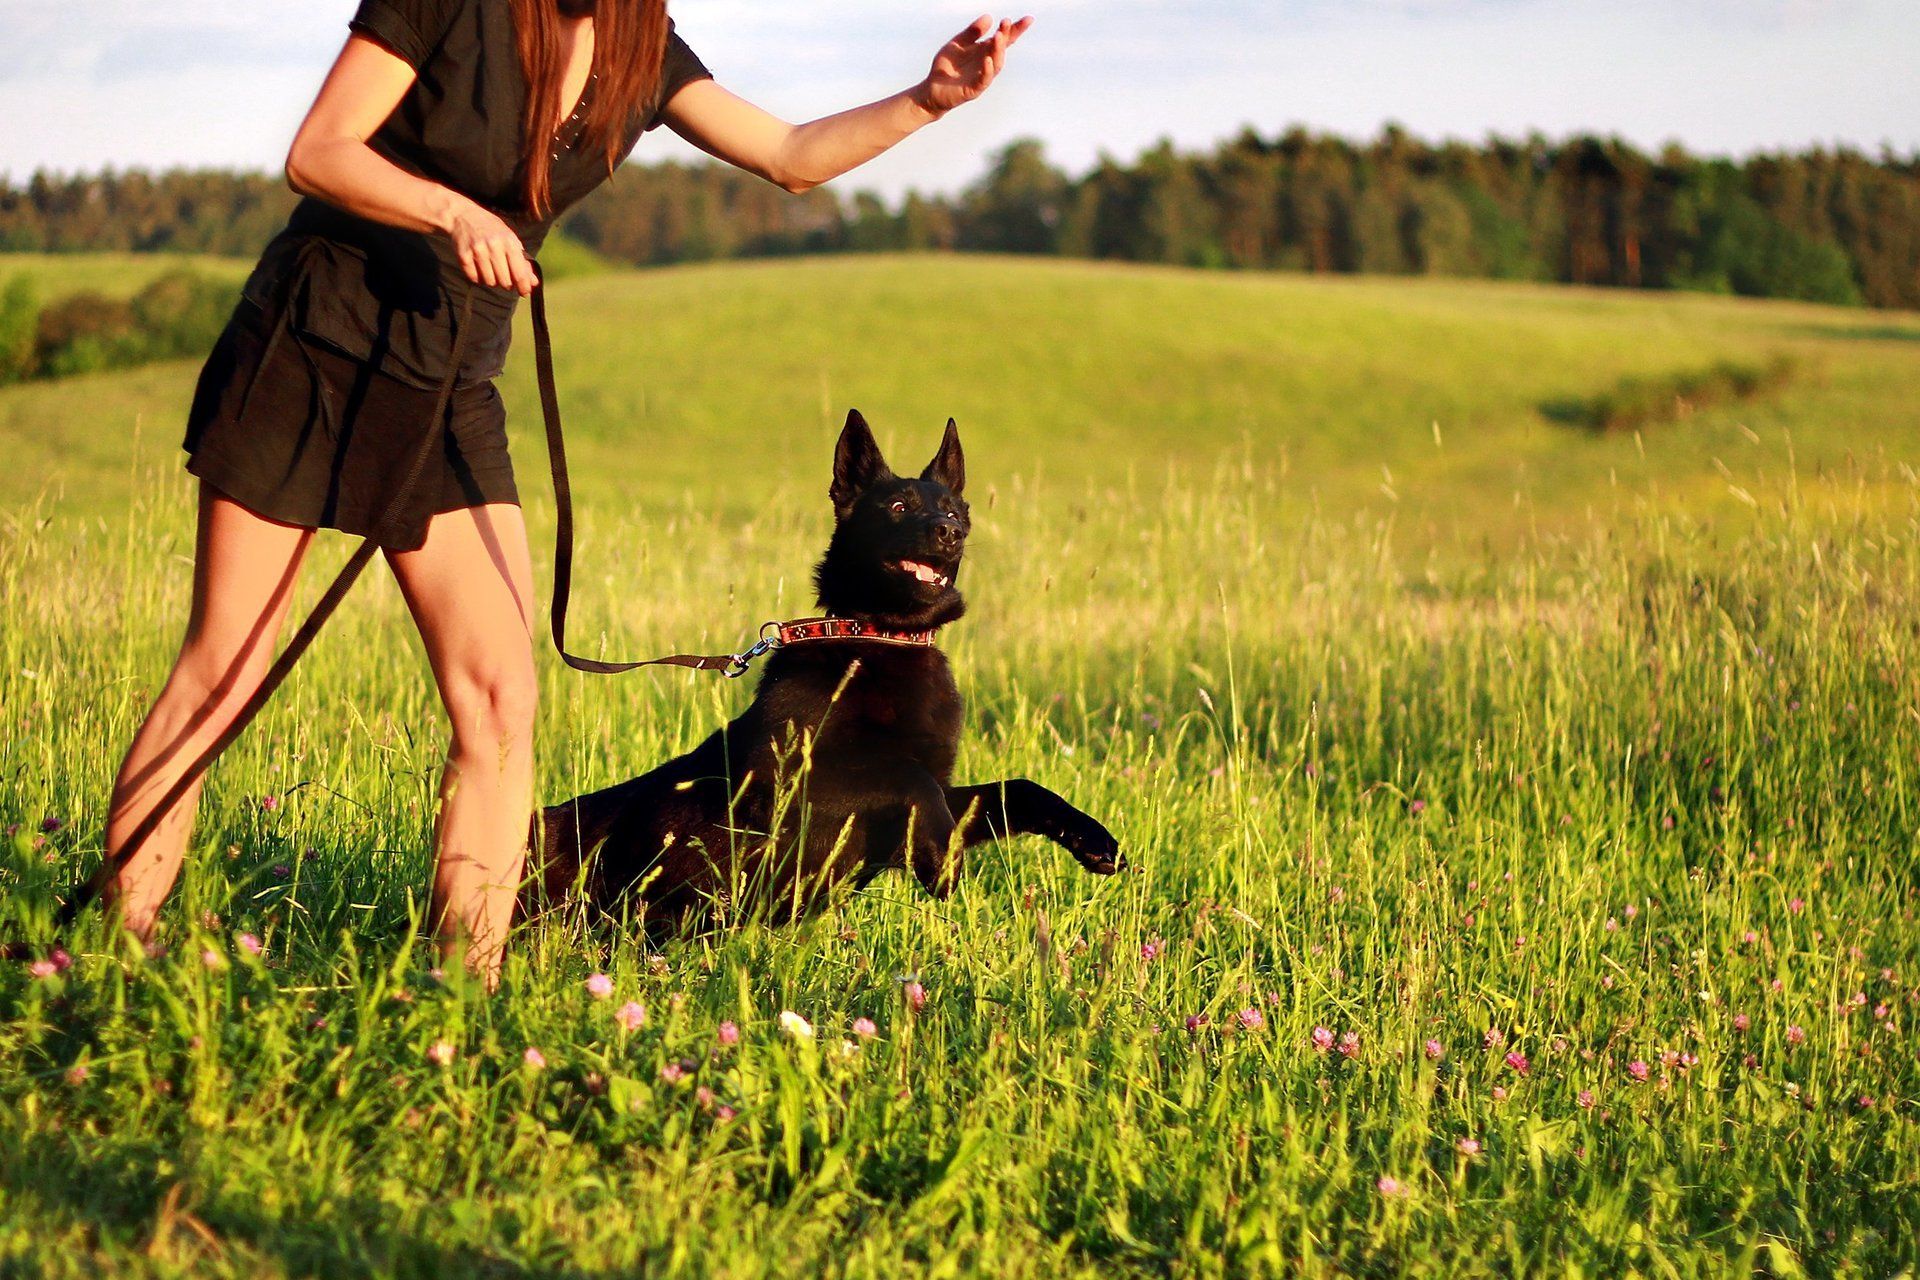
<point>897,705</point>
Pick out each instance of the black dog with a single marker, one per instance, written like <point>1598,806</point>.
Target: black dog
<point>842,765</point>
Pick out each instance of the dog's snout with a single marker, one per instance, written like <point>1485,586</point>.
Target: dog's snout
<point>947,533</point>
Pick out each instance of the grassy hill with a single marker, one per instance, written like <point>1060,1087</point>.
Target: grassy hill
<point>1366,394</point>
<point>1572,775</point>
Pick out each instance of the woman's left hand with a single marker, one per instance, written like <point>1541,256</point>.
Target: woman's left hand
<point>967,64</point>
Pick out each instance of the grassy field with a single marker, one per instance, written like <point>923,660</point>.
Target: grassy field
<point>1525,816</point>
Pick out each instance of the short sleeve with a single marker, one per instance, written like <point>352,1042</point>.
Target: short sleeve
<point>411,29</point>
<point>679,68</point>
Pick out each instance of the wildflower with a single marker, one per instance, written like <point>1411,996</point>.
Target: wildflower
<point>1880,1012</point>
<point>1468,1147</point>
<point>249,944</point>
<point>1585,1099</point>
<point>1416,807</point>
<point>62,961</point>
<point>796,1026</point>
<point>1252,1019</point>
<point>269,803</point>
<point>1494,1038</point>
<point>1741,1022</point>
<point>1630,911</point>
<point>281,871</point>
<point>1638,1069</point>
<point>1688,1061</point>
<point>916,996</point>
<point>212,959</point>
<point>43,968</point>
<point>1350,1044</point>
<point>599,986</point>
<point>1795,1035</point>
<point>1435,1051</point>
<point>51,824</point>
<point>1518,1061</point>
<point>1151,950</point>
<point>1195,1021</point>
<point>1612,925</point>
<point>440,1053</point>
<point>77,1074</point>
<point>1606,981</point>
<point>864,1028</point>
<point>704,1097</point>
<point>1749,937</point>
<point>534,1058</point>
<point>631,1016</point>
<point>1499,1094</point>
<point>724,1112</point>
<point>727,1033</point>
<point>1797,905</point>
<point>1388,1186</point>
<point>673,1073</point>
<point>1322,1039</point>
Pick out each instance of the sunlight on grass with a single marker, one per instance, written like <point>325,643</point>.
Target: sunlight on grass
<point>1525,821</point>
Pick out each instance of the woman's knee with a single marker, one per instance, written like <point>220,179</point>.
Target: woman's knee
<point>494,707</point>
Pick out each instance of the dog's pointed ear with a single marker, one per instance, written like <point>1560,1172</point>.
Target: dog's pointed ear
<point>949,466</point>
<point>857,464</point>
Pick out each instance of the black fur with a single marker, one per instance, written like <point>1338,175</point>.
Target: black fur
<point>743,826</point>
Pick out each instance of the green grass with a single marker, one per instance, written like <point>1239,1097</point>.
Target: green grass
<point>1422,717</point>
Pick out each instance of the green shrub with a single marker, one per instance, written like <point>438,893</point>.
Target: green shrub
<point>1638,402</point>
<point>85,333</point>
<point>19,322</point>
<point>181,314</point>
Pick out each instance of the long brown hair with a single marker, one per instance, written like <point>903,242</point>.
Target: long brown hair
<point>629,43</point>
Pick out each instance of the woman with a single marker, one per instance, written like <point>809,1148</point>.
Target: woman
<point>445,140</point>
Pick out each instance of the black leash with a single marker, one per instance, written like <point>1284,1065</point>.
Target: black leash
<point>773,635</point>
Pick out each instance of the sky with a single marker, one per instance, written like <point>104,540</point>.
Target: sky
<point>158,83</point>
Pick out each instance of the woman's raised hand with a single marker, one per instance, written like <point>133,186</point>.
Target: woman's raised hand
<point>490,250</point>
<point>967,64</point>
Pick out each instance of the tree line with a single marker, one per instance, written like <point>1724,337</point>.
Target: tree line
<point>1828,225</point>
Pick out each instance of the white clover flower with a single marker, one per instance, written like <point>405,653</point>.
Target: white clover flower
<point>795,1025</point>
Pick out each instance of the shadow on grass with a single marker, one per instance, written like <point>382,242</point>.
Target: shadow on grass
<point>1638,402</point>
<point>1862,333</point>
<point>141,1200</point>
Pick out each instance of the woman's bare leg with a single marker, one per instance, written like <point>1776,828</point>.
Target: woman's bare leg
<point>243,575</point>
<point>470,587</point>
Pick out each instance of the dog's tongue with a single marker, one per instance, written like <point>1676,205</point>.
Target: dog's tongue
<point>924,572</point>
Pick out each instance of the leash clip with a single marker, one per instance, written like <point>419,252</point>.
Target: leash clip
<point>738,663</point>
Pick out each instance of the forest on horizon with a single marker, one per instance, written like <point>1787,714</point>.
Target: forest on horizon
<point>1821,225</point>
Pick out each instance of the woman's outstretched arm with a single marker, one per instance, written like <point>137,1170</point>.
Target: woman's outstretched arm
<point>330,159</point>
<point>801,157</point>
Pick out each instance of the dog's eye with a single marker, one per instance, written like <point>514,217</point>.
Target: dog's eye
<point>898,508</point>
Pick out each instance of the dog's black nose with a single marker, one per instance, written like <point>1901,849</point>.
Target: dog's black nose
<point>946,533</point>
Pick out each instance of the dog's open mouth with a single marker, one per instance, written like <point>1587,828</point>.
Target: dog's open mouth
<point>925,573</point>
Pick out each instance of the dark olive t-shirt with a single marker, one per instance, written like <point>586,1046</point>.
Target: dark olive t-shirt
<point>377,291</point>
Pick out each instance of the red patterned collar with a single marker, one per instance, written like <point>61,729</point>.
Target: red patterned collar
<point>803,629</point>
